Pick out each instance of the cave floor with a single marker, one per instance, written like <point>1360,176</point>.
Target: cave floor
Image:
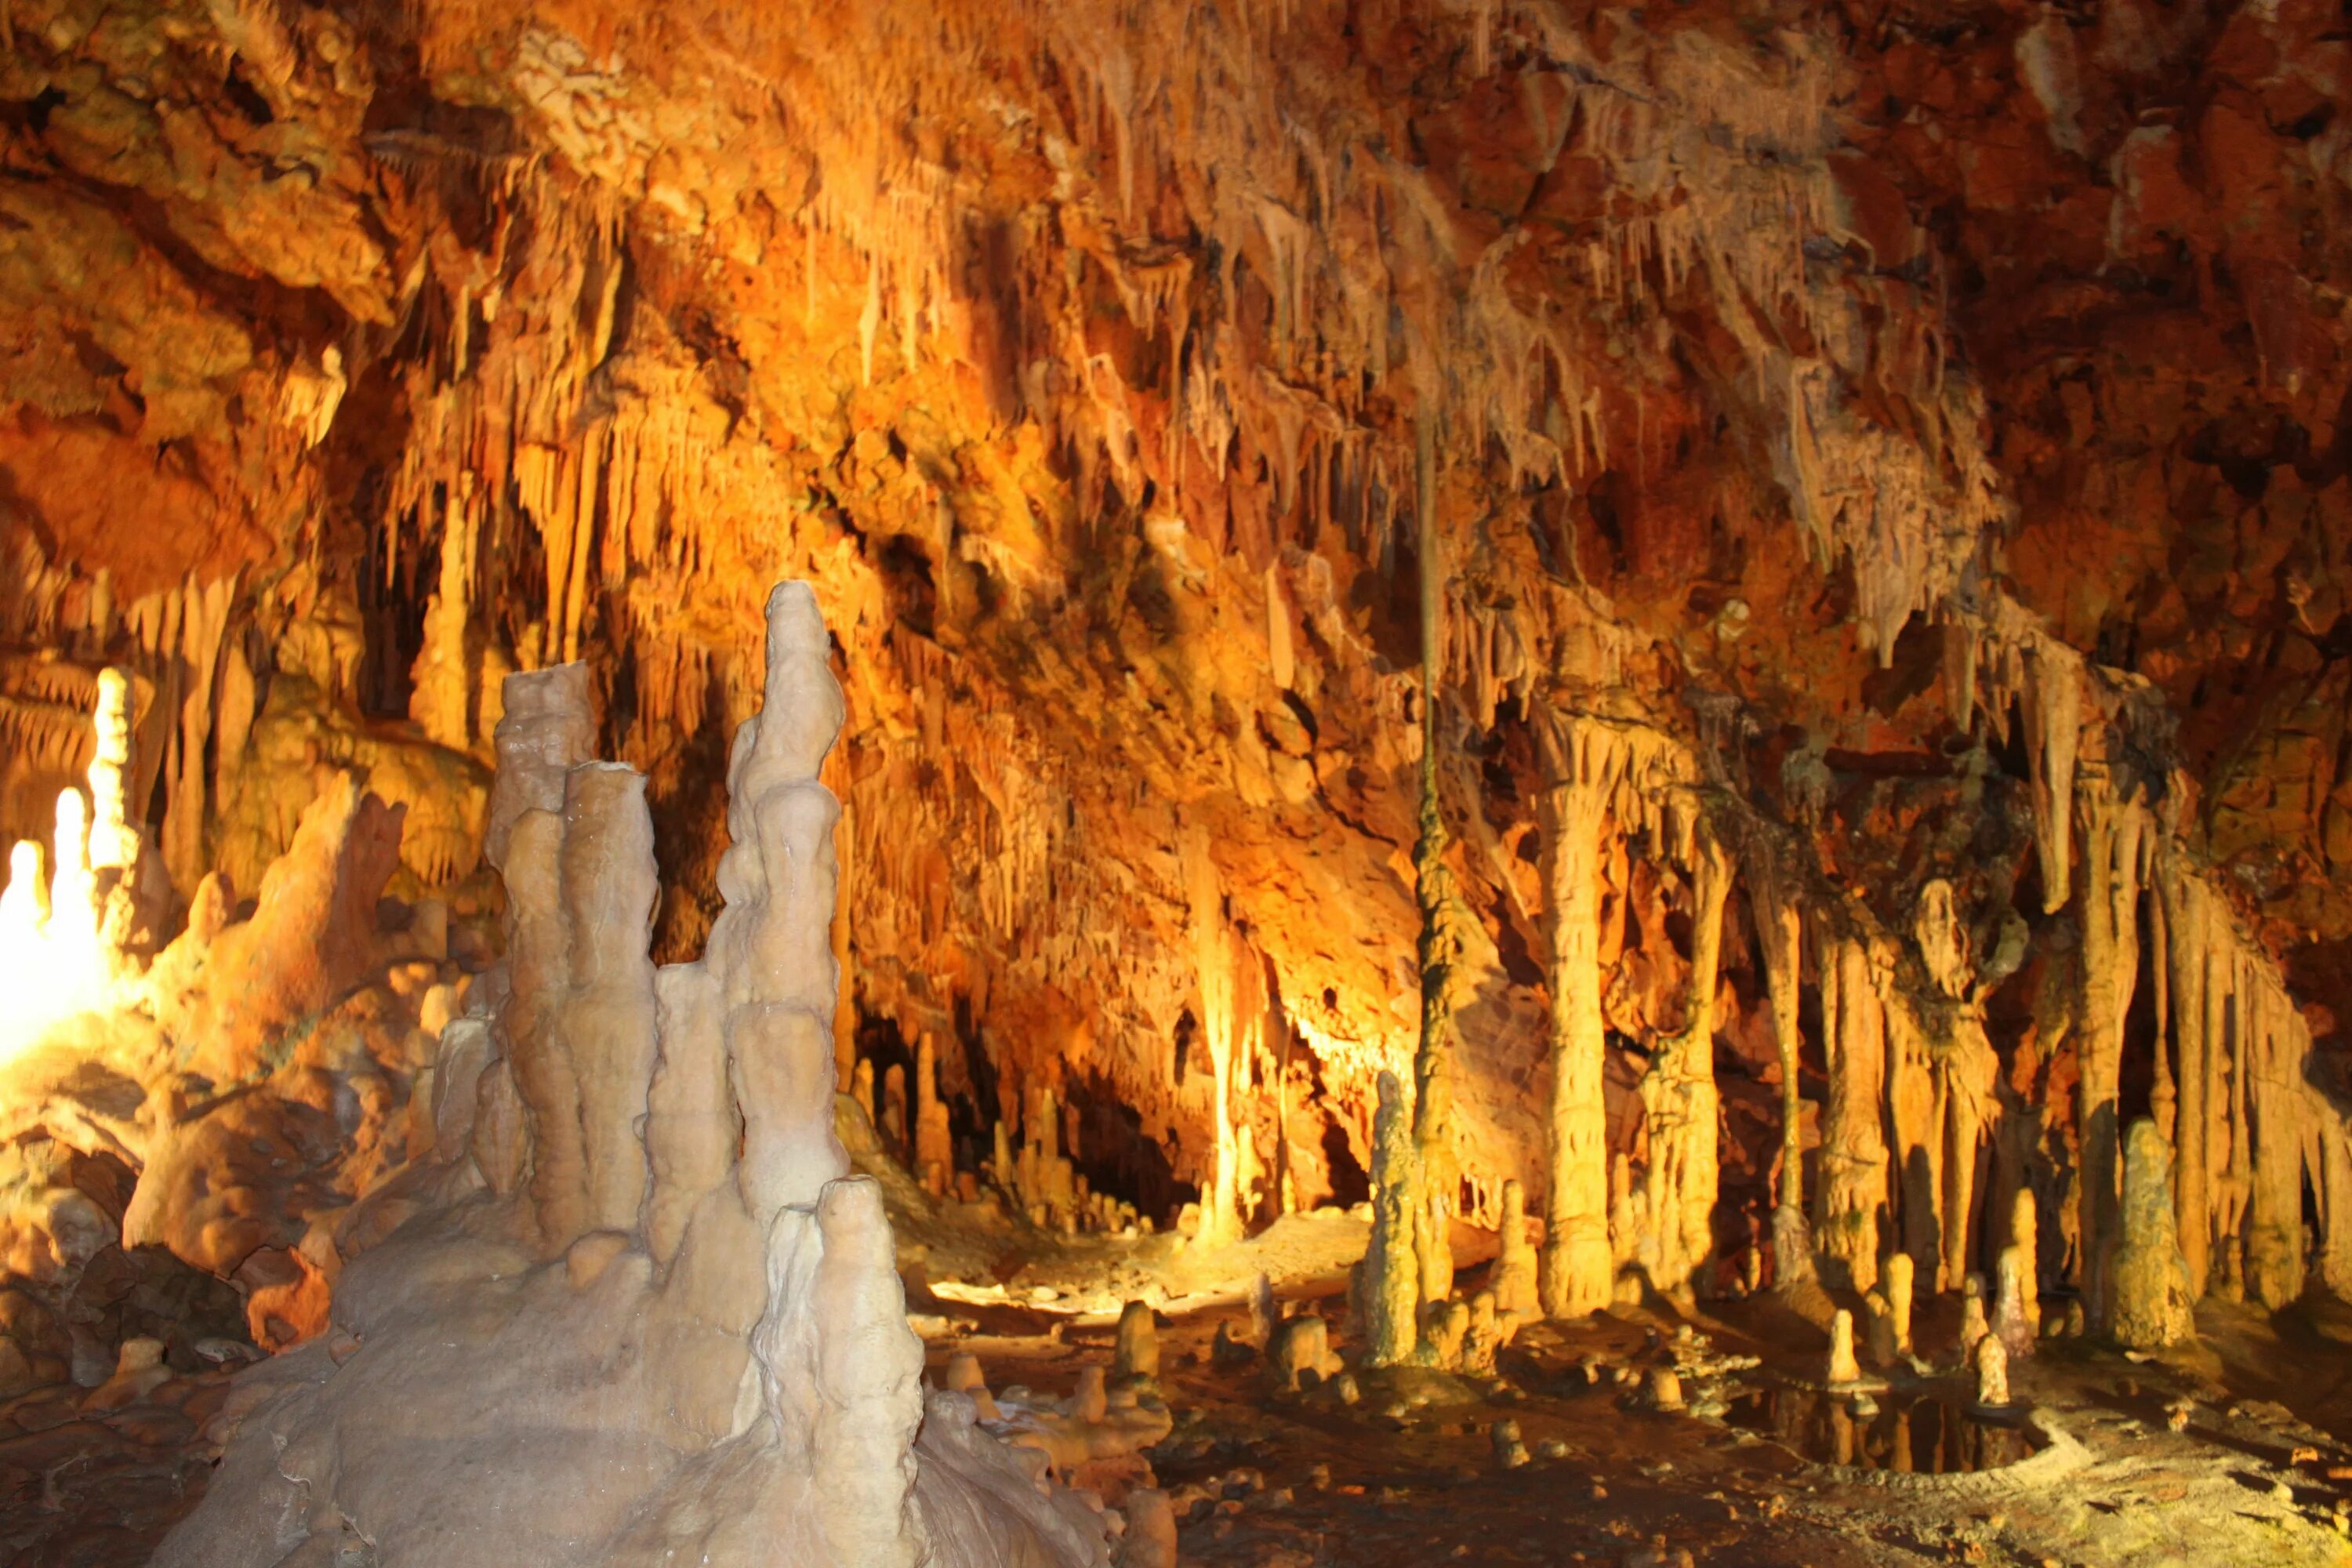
<point>1409,1473</point>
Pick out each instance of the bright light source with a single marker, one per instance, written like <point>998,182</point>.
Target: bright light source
<point>52,963</point>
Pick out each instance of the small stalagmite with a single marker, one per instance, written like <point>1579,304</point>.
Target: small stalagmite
<point>964,1375</point>
<point>861,1089</point>
<point>1974,1327</point>
<point>1898,1300</point>
<point>1878,1317</point>
<point>2010,1323</point>
<point>1135,1356</point>
<point>2024,1234</point>
<point>2152,1307</point>
<point>1992,1372</point>
<point>1844,1370</point>
<point>1512,1277</point>
<point>1300,1353</point>
<point>1666,1391</point>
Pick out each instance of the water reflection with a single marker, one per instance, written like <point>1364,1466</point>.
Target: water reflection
<point>1924,1434</point>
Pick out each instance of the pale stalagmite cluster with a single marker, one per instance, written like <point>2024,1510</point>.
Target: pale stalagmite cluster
<point>641,1309</point>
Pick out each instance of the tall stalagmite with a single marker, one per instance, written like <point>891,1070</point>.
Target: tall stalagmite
<point>1585,761</point>
<point>1441,947</point>
<point>735,1382</point>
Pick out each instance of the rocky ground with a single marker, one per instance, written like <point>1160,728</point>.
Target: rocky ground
<point>1412,1471</point>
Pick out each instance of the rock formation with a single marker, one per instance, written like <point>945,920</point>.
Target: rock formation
<point>764,1394</point>
<point>2153,1304</point>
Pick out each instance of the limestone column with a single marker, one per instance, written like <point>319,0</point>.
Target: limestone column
<point>1780,925</point>
<point>1586,761</point>
<point>2186,939</point>
<point>1853,1138</point>
<point>2115,831</point>
<point>1679,1097</point>
<point>1213,965</point>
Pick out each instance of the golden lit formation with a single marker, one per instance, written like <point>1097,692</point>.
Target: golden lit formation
<point>55,963</point>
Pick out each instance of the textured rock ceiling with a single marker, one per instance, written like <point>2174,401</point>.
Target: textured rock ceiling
<point>1789,384</point>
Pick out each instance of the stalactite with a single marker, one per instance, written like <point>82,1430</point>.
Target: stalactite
<point>1679,1098</point>
<point>2053,694</point>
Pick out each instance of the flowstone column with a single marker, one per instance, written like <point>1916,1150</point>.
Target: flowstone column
<point>1853,1137</point>
<point>1587,761</point>
<point>2115,837</point>
<point>1679,1098</point>
<point>1781,928</point>
<point>1221,1218</point>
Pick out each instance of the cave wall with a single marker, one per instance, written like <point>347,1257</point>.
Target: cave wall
<point>1874,409</point>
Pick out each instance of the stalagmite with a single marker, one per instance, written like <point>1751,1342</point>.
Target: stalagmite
<point>1585,761</point>
<point>2024,1234</point>
<point>1898,1300</point>
<point>547,727</point>
<point>2153,1305</point>
<point>756,1394</point>
<point>1442,946</point>
<point>114,843</point>
<point>1136,1353</point>
<point>1679,1099</point>
<point>1386,1289</point>
<point>1844,1370</point>
<point>1992,1373</point>
<point>1221,1219</point>
<point>1878,1329</point>
<point>1513,1277</point>
<point>2010,1322</point>
<point>1973,1326</point>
